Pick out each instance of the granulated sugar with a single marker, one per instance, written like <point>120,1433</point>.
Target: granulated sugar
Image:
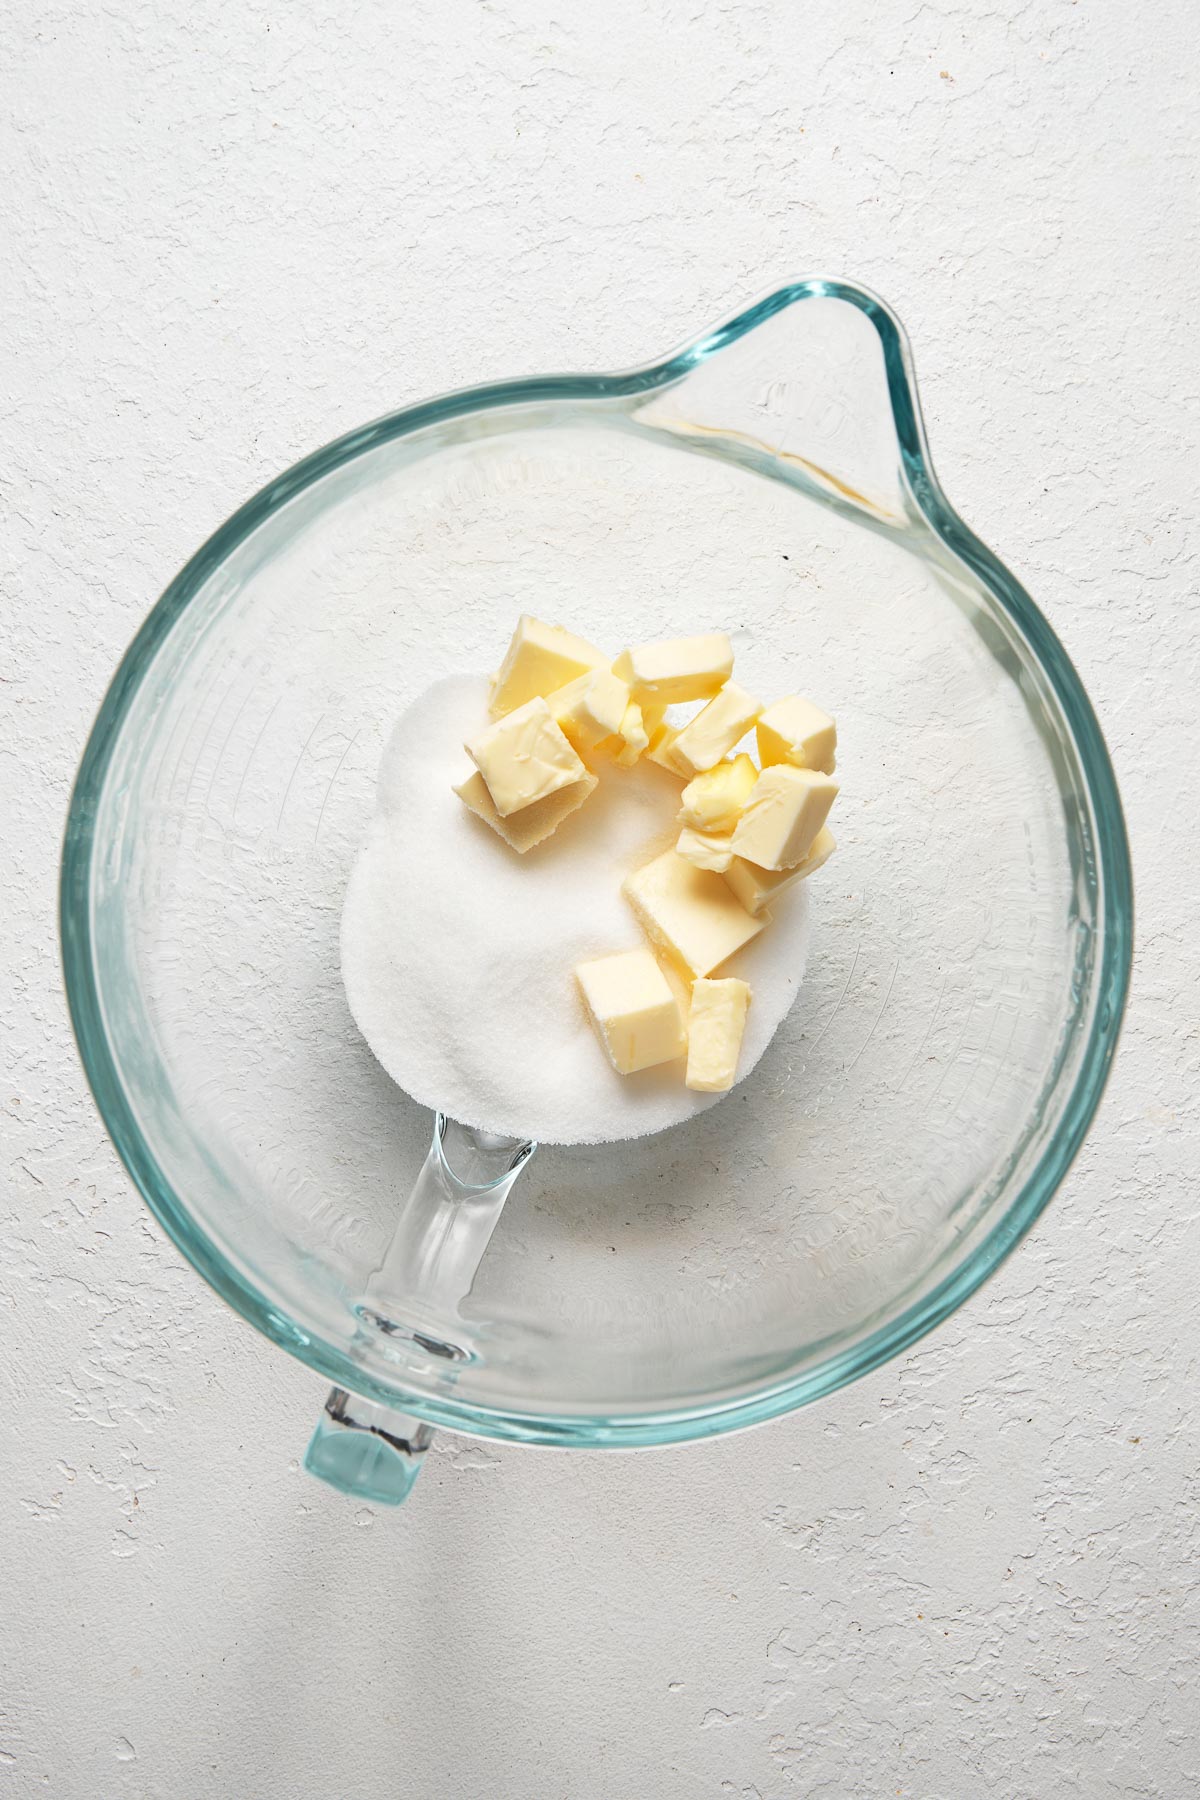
<point>458,956</point>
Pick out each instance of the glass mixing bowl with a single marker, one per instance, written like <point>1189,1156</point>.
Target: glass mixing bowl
<point>971,938</point>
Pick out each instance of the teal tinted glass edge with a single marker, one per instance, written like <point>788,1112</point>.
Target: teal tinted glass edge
<point>1113,863</point>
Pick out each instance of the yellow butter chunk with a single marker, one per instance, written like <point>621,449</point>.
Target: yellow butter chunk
<point>754,886</point>
<point>796,731</point>
<point>713,800</point>
<point>522,830</point>
<point>715,1029</point>
<point>715,729</point>
<point>786,809</point>
<point>680,984</point>
<point>539,660</point>
<point>659,751</point>
<point>677,669</point>
<point>706,849</point>
<point>634,737</point>
<point>524,757</point>
<point>690,913</point>
<point>633,1009</point>
<point>590,709</point>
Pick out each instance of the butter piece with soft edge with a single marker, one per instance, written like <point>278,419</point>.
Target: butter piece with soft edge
<point>705,849</point>
<point>634,736</point>
<point>690,913</point>
<point>786,809</point>
<point>533,824</point>
<point>715,1029</point>
<point>589,710</point>
<point>795,731</point>
<point>680,984</point>
<point>713,800</point>
<point>662,739</point>
<point>539,660</point>
<point>633,1009</point>
<point>677,669</point>
<point>754,886</point>
<point>714,731</point>
<point>524,757</point>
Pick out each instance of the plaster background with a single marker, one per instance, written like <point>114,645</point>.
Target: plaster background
<point>236,230</point>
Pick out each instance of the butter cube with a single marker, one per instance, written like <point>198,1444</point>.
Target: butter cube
<point>796,731</point>
<point>522,830</point>
<point>539,660</point>
<point>524,757</point>
<point>662,740</point>
<point>589,710</point>
<point>633,1009</point>
<point>783,815</point>
<point>716,1026</point>
<point>754,886</point>
<point>690,913</point>
<point>678,668</point>
<point>634,737</point>
<point>715,729</point>
<point>706,849</point>
<point>680,984</point>
<point>713,800</point>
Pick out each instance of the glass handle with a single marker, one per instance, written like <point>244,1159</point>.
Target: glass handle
<point>366,1449</point>
<point>361,1446</point>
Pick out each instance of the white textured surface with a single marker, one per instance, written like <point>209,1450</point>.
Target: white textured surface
<point>239,230</point>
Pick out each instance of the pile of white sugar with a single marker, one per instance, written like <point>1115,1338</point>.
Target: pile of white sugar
<point>458,955</point>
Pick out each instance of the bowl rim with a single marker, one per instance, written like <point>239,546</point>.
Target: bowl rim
<point>679,1423</point>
